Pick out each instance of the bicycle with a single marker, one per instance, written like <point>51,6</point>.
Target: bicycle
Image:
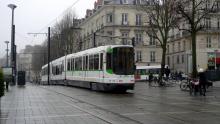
<point>191,84</point>
<point>164,82</point>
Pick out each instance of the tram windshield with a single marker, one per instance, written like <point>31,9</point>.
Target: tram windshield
<point>123,61</point>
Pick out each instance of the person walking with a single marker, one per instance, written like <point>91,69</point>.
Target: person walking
<point>150,78</point>
<point>6,85</point>
<point>167,72</point>
<point>202,81</point>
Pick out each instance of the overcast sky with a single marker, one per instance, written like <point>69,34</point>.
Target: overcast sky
<point>34,16</point>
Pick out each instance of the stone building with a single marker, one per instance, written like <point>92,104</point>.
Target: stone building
<point>114,22</point>
<point>179,56</point>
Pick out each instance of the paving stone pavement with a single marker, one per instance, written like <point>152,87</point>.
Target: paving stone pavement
<point>35,104</point>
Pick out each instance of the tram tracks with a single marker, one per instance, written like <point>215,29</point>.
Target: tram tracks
<point>102,112</point>
<point>91,109</point>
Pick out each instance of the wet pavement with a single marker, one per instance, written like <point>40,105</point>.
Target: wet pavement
<point>35,104</point>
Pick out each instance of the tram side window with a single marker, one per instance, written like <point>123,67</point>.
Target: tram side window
<point>91,62</point>
<point>62,68</point>
<point>46,71</point>
<point>53,71</point>
<point>87,61</point>
<point>68,65</point>
<point>84,62</point>
<point>101,61</point>
<point>78,63</point>
<point>96,61</point>
<point>72,64</point>
<point>59,69</point>
<point>109,61</point>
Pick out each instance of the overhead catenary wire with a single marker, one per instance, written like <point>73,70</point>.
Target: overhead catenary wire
<point>70,7</point>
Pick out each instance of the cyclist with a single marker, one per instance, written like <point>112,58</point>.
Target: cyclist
<point>202,82</point>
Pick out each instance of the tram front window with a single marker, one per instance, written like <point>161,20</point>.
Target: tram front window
<point>123,61</point>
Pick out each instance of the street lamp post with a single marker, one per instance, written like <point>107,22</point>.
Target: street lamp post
<point>13,54</point>
<point>7,53</point>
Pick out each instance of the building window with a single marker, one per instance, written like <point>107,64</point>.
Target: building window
<point>217,4</point>
<point>138,38</point>
<point>152,56</point>
<point>124,19</point>
<point>209,42</point>
<point>125,38</point>
<point>125,1</point>
<point>152,40</point>
<point>138,19</point>
<point>183,59</point>
<point>109,18</point>
<point>208,4</point>
<point>177,59</point>
<point>184,45</point>
<point>218,23</point>
<point>218,41</point>
<point>137,1</point>
<point>139,56</point>
<point>173,47</point>
<point>179,46</point>
<point>207,23</point>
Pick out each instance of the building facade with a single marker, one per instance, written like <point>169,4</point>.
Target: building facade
<point>116,22</point>
<point>179,48</point>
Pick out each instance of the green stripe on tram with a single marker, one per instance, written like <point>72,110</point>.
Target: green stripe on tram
<point>109,71</point>
<point>109,50</point>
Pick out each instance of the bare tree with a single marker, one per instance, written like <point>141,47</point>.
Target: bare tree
<point>63,41</point>
<point>193,13</point>
<point>63,37</point>
<point>162,17</point>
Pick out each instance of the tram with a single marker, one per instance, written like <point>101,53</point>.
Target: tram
<point>104,68</point>
<point>142,72</point>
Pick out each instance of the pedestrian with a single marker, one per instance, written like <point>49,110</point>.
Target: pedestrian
<point>6,85</point>
<point>202,81</point>
<point>180,77</point>
<point>150,78</point>
<point>167,72</point>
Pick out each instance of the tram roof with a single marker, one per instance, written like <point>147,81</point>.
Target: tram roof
<point>86,52</point>
<point>95,50</point>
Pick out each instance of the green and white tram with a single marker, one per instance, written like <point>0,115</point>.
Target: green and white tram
<point>103,68</point>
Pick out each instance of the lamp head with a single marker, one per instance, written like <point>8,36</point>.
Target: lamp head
<point>6,41</point>
<point>12,6</point>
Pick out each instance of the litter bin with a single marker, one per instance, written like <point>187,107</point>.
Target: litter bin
<point>21,77</point>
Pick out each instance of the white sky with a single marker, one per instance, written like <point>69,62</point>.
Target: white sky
<point>34,16</point>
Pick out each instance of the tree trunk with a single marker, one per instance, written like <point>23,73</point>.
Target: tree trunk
<point>162,63</point>
<point>194,61</point>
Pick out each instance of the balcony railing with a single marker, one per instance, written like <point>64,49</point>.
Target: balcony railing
<point>124,23</point>
<point>211,29</point>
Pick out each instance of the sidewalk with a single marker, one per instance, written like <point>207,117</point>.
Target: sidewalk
<point>216,84</point>
<point>34,105</point>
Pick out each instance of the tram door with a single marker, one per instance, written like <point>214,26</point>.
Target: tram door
<point>101,73</point>
<point>85,66</point>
